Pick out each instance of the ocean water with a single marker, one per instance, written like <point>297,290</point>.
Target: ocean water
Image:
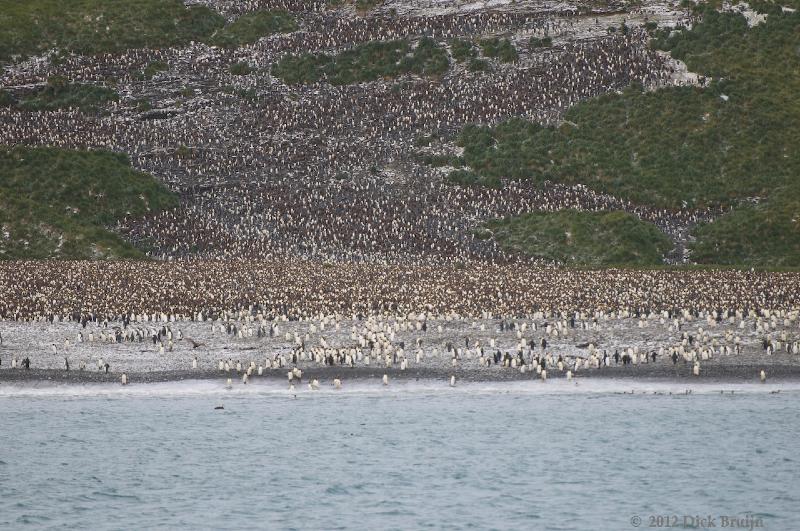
<point>410,456</point>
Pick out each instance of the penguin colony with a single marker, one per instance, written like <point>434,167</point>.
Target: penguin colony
<point>244,346</point>
<point>268,170</point>
<point>311,236</point>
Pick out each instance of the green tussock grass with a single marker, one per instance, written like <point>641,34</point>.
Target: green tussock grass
<point>154,68</point>
<point>240,69</point>
<point>763,235</point>
<point>676,146</point>
<point>683,146</point>
<point>579,238</point>
<point>6,99</point>
<point>362,6</point>
<point>57,203</point>
<point>60,94</point>
<point>543,42</point>
<point>92,27</point>
<point>462,50</point>
<point>250,27</point>
<point>31,27</point>
<point>365,62</point>
<point>470,178</point>
<point>500,49</point>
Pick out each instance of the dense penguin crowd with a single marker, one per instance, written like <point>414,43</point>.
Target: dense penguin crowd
<point>268,170</point>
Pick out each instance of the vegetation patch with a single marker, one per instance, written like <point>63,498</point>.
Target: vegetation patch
<point>250,27</point>
<point>367,5</point>
<point>57,203</point>
<point>154,68</point>
<point>478,65</point>
<point>540,42</point>
<point>365,62</point>
<point>60,94</point>
<point>681,147</point>
<point>500,49</point>
<point>462,50</point>
<point>678,146</point>
<point>89,27</point>
<point>362,6</point>
<point>766,234</point>
<point>6,99</point>
<point>469,178</point>
<point>579,238</point>
<point>240,69</point>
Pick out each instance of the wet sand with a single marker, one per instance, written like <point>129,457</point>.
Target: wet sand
<point>679,373</point>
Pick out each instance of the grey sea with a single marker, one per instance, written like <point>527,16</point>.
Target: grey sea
<point>415,455</point>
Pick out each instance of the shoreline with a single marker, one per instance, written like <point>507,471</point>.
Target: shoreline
<point>642,374</point>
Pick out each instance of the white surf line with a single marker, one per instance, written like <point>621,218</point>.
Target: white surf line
<point>218,388</point>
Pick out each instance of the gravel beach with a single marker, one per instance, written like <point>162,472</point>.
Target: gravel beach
<point>713,345</point>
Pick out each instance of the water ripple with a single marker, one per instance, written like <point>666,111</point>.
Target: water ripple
<point>397,461</point>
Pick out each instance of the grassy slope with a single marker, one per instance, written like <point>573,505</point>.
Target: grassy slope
<point>685,146</point>
<point>48,193</point>
<point>98,26</point>
<point>583,238</point>
<point>59,94</point>
<point>362,6</point>
<point>107,26</point>
<point>365,62</point>
<point>250,27</point>
<point>676,145</point>
<point>767,234</point>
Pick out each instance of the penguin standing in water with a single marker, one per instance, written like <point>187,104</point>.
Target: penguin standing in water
<point>124,379</point>
<point>763,376</point>
<point>385,379</point>
<point>229,383</point>
<point>452,381</point>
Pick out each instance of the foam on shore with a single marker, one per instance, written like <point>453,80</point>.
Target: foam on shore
<point>218,388</point>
